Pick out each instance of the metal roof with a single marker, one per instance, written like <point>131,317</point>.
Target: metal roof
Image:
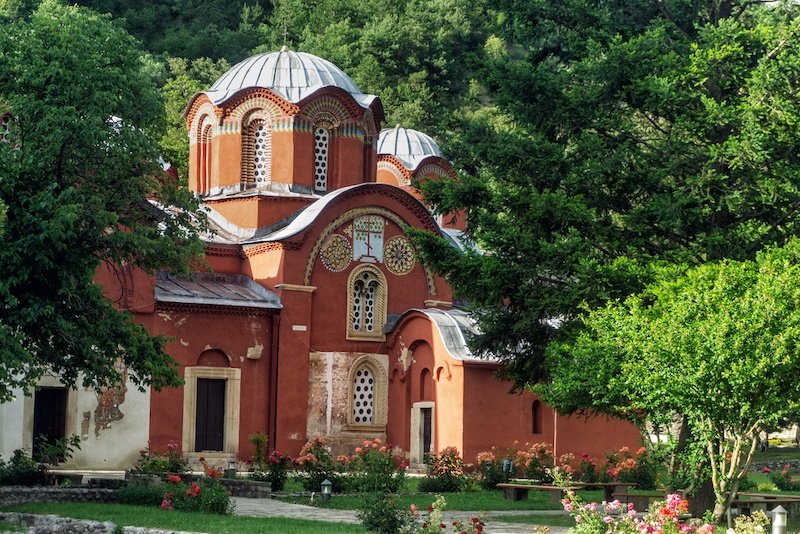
<point>215,290</point>
<point>292,75</point>
<point>409,146</point>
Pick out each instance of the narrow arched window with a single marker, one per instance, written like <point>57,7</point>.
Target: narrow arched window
<point>364,397</point>
<point>367,303</point>
<point>205,158</point>
<point>536,417</point>
<point>257,154</point>
<point>321,143</point>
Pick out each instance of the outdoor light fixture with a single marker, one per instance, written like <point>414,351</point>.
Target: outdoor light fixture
<point>232,464</point>
<point>326,491</point>
<point>779,520</point>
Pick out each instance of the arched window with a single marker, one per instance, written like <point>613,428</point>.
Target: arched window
<point>205,158</point>
<point>321,142</point>
<point>369,388</point>
<point>366,303</point>
<point>536,417</point>
<point>257,154</point>
<point>364,397</point>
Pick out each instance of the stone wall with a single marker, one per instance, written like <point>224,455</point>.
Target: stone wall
<point>52,524</point>
<point>10,495</point>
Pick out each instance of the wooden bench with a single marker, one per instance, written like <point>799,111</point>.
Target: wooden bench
<point>609,488</point>
<point>519,492</point>
<point>641,501</point>
<point>747,503</point>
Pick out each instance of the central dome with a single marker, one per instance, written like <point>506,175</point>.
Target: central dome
<point>292,75</point>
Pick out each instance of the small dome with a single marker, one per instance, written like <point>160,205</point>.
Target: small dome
<point>292,75</point>
<point>409,146</point>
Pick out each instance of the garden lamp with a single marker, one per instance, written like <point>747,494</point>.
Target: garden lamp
<point>779,520</point>
<point>326,490</point>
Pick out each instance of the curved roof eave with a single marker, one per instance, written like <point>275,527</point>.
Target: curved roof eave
<point>307,217</point>
<point>453,326</point>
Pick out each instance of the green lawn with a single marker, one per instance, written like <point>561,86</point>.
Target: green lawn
<point>148,516</point>
<point>479,500</point>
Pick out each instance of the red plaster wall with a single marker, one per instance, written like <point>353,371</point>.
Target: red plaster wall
<point>498,418</point>
<point>194,332</point>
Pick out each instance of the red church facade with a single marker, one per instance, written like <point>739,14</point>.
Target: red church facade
<point>317,319</point>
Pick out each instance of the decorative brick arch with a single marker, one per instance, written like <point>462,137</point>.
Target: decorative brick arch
<point>326,110</point>
<point>206,114</point>
<point>346,217</point>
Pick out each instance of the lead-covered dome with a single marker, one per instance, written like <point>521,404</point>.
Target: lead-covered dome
<point>292,75</point>
<point>409,146</point>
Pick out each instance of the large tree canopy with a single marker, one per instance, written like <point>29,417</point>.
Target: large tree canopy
<point>717,345</point>
<point>611,138</point>
<point>76,171</point>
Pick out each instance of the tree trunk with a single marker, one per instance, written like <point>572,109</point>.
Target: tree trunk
<point>703,499</point>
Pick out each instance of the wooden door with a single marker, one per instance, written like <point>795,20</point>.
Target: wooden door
<point>210,415</point>
<point>49,417</point>
<point>427,427</point>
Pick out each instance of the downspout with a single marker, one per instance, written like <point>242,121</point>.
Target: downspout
<point>272,409</point>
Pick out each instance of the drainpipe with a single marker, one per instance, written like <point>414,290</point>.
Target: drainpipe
<point>272,409</point>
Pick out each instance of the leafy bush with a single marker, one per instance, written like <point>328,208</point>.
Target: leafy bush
<point>783,479</point>
<point>260,461</point>
<point>531,461</point>
<point>434,523</point>
<point>277,470</point>
<point>372,469</point>
<point>379,513</point>
<point>141,493</point>
<point>317,464</point>
<point>55,452</point>
<point>157,463</point>
<point>21,470</point>
<point>207,495</point>
<point>445,472</point>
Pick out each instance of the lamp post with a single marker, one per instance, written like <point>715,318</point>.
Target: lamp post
<point>779,520</point>
<point>230,472</point>
<point>326,490</point>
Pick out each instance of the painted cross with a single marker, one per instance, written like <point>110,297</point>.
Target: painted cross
<point>368,239</point>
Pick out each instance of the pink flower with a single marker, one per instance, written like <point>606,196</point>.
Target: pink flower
<point>607,519</point>
<point>568,507</point>
<point>766,470</point>
<point>175,479</point>
<point>166,505</point>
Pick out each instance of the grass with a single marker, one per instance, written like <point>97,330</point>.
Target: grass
<point>478,500</point>
<point>147,516</point>
<point>11,527</point>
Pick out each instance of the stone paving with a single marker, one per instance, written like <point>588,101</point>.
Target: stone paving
<point>277,508</point>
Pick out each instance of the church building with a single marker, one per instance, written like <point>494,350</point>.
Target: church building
<point>315,318</point>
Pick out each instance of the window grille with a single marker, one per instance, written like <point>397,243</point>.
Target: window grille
<point>262,153</point>
<point>363,397</point>
<point>321,139</point>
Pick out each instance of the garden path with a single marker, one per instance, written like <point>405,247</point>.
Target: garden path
<point>276,508</point>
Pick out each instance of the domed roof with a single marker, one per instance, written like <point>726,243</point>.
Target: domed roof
<point>292,75</point>
<point>409,146</point>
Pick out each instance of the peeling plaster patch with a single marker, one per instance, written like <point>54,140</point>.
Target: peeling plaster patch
<point>207,347</point>
<point>329,389</point>
<point>295,435</point>
<point>184,343</point>
<point>108,402</point>
<point>254,352</point>
<point>165,316</point>
<point>181,321</point>
<point>87,420</point>
<point>405,358</point>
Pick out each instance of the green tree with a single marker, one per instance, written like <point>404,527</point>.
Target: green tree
<point>597,145</point>
<point>716,344</point>
<point>76,175</point>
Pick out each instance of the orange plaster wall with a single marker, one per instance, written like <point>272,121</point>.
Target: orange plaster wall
<point>194,332</point>
<point>349,161</point>
<point>498,418</point>
<point>226,159</point>
<point>255,212</point>
<point>128,288</point>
